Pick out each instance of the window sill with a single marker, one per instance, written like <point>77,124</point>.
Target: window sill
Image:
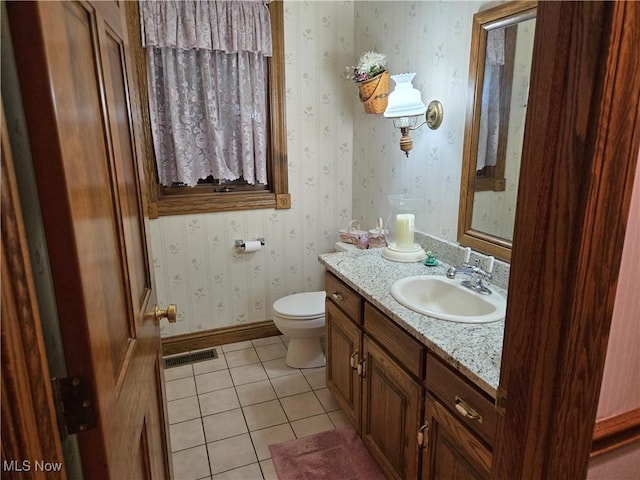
<point>217,202</point>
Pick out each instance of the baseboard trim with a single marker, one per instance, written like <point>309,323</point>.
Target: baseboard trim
<point>615,432</point>
<point>218,336</point>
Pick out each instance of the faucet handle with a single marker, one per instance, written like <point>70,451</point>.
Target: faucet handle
<point>467,255</point>
<point>490,265</point>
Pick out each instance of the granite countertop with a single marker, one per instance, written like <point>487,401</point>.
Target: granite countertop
<point>474,350</point>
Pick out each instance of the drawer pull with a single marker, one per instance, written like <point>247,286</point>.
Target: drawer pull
<point>337,296</point>
<point>423,436</point>
<point>361,368</point>
<point>466,411</point>
<point>353,361</point>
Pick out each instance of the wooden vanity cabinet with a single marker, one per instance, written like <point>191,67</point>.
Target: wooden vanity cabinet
<point>459,426</point>
<point>343,346</point>
<point>392,389</point>
<point>373,371</point>
<point>392,394</point>
<point>451,451</point>
<point>391,412</point>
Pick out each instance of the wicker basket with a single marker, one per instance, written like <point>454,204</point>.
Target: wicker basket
<point>353,235</point>
<point>374,92</point>
<point>376,236</point>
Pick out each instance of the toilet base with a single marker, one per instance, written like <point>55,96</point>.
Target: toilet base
<point>305,352</point>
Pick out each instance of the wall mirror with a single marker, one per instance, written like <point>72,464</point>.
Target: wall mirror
<point>499,71</point>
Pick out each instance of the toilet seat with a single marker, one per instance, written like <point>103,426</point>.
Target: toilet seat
<point>301,306</point>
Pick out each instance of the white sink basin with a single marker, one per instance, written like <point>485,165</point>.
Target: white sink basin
<point>446,299</point>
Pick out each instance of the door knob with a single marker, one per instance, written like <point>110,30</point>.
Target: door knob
<point>157,313</point>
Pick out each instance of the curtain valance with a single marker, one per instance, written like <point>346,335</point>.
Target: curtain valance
<point>227,26</point>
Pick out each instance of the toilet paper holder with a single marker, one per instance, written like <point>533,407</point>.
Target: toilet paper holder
<point>241,243</point>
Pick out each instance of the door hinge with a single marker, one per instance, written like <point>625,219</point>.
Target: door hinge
<point>74,404</point>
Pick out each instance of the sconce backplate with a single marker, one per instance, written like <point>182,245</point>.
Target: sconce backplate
<point>434,114</point>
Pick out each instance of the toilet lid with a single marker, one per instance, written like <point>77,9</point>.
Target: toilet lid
<point>301,305</point>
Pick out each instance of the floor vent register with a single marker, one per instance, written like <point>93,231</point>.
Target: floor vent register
<point>199,356</point>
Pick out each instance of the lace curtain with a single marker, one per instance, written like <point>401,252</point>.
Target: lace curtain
<point>490,109</point>
<point>207,75</point>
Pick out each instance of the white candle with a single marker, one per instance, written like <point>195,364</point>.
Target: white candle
<point>404,230</point>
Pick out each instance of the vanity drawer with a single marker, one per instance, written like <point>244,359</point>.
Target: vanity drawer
<point>344,297</point>
<point>407,350</point>
<point>466,401</point>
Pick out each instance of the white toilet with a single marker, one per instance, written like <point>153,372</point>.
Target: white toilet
<point>301,318</point>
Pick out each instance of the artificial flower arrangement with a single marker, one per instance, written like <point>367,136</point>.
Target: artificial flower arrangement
<point>371,64</point>
<point>372,78</point>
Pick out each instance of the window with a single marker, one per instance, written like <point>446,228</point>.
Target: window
<point>212,195</point>
<point>496,98</point>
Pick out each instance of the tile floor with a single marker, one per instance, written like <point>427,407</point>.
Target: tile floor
<point>224,413</point>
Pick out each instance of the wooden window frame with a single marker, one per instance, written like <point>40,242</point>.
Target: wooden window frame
<point>194,200</point>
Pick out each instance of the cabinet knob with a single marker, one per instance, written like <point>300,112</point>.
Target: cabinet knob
<point>337,296</point>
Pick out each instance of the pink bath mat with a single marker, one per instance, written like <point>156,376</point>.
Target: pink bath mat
<point>336,454</point>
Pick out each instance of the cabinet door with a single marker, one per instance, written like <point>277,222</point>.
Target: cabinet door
<point>452,452</point>
<point>343,354</point>
<point>390,413</point>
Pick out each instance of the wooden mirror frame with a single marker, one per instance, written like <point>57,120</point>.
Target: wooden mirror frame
<point>497,17</point>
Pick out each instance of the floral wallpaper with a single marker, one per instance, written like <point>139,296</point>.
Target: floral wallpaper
<point>343,163</point>
<point>195,263</point>
<point>432,39</point>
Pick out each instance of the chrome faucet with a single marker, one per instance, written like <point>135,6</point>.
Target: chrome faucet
<point>477,273</point>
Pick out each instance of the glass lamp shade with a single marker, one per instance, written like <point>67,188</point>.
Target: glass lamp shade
<point>405,100</point>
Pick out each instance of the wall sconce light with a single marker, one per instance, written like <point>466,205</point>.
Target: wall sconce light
<point>405,108</point>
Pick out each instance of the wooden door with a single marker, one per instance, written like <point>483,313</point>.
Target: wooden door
<point>74,80</point>
<point>451,452</point>
<point>29,427</point>
<point>391,410</point>
<point>582,131</point>
<point>343,351</point>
